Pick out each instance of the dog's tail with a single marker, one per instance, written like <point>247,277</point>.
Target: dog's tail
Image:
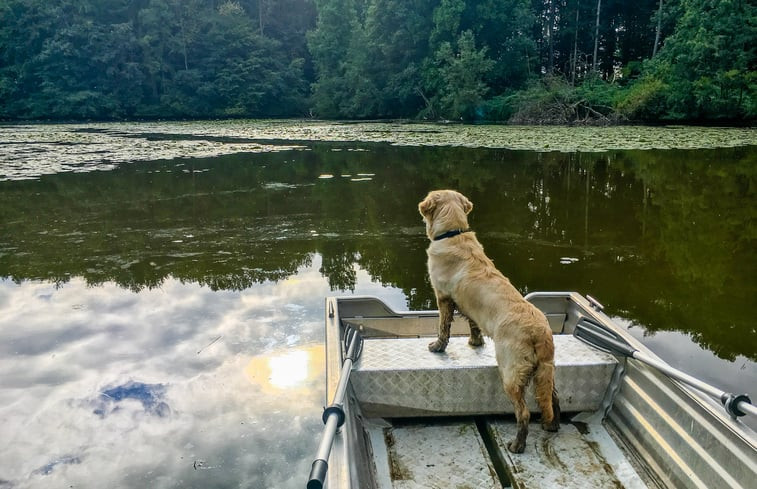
<point>544,383</point>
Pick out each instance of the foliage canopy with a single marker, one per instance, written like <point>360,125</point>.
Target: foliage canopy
<point>521,60</point>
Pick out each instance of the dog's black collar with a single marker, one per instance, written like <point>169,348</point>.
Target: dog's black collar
<point>449,234</point>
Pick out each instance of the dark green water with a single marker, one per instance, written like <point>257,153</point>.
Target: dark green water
<point>160,321</point>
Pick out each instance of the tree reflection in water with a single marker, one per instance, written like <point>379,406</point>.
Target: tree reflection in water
<point>665,238</point>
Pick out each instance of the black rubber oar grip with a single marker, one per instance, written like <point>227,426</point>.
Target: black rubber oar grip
<point>317,474</point>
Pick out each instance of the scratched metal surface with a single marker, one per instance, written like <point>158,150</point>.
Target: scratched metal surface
<point>400,377</point>
<point>568,459</point>
<point>432,456</point>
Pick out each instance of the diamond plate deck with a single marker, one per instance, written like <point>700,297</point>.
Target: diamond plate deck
<point>400,377</point>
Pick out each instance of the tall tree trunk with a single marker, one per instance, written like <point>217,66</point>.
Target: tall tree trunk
<point>550,24</point>
<point>596,37</point>
<point>184,45</point>
<point>528,63</point>
<point>260,15</point>
<point>575,47</point>
<point>183,40</point>
<point>657,34</point>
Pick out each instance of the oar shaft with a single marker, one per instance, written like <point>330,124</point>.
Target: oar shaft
<point>743,406</point>
<point>746,407</point>
<point>324,449</point>
<point>599,337</point>
<point>334,415</point>
<point>344,378</point>
<point>344,375</point>
<point>678,375</point>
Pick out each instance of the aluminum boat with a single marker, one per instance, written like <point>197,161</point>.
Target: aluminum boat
<point>405,418</point>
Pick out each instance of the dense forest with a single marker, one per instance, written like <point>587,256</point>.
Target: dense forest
<point>523,61</point>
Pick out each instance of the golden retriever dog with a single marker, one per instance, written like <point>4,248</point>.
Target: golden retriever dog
<point>464,278</point>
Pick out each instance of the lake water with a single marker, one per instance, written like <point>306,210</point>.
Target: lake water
<point>162,284</point>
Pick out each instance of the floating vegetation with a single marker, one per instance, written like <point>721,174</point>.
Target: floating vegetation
<point>28,151</point>
<point>278,186</point>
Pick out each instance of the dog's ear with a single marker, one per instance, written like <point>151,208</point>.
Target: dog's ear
<point>427,206</point>
<point>467,204</point>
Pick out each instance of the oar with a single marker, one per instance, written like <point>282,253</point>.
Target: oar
<point>599,337</point>
<point>333,416</point>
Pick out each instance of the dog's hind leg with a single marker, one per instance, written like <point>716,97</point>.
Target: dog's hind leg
<point>516,392</point>
<point>515,376</point>
<point>555,413</point>
<point>546,398</point>
<point>476,338</point>
<point>446,311</point>
<point>544,383</point>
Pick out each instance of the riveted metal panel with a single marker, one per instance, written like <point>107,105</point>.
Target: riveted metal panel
<point>676,435</point>
<point>400,377</point>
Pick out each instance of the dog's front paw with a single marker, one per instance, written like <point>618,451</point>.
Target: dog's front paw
<point>516,446</point>
<point>437,346</point>
<point>476,340</point>
<point>552,426</point>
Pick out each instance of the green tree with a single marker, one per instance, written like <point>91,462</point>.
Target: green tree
<point>707,67</point>
<point>368,57</point>
<point>105,59</point>
<point>70,67</point>
<point>396,42</point>
<point>461,71</point>
<point>329,44</point>
<point>502,27</point>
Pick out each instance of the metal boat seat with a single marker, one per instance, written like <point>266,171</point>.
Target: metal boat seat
<point>399,377</point>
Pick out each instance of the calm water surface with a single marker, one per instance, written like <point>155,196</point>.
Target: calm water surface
<point>161,315</point>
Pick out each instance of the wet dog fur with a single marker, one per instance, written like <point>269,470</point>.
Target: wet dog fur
<point>464,278</point>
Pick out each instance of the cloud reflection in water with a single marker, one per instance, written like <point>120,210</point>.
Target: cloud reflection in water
<point>104,387</point>
<point>149,395</point>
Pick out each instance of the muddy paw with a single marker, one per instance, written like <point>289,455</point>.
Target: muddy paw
<point>553,426</point>
<point>516,447</point>
<point>437,346</point>
<point>476,341</point>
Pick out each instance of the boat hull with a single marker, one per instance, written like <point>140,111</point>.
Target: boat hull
<point>640,429</point>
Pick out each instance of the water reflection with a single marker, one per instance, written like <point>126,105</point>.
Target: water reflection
<point>287,371</point>
<point>161,322</point>
<point>177,386</point>
<point>150,396</point>
<point>666,238</point>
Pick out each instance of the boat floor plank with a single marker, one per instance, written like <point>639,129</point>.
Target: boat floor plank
<point>568,459</point>
<point>447,455</point>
